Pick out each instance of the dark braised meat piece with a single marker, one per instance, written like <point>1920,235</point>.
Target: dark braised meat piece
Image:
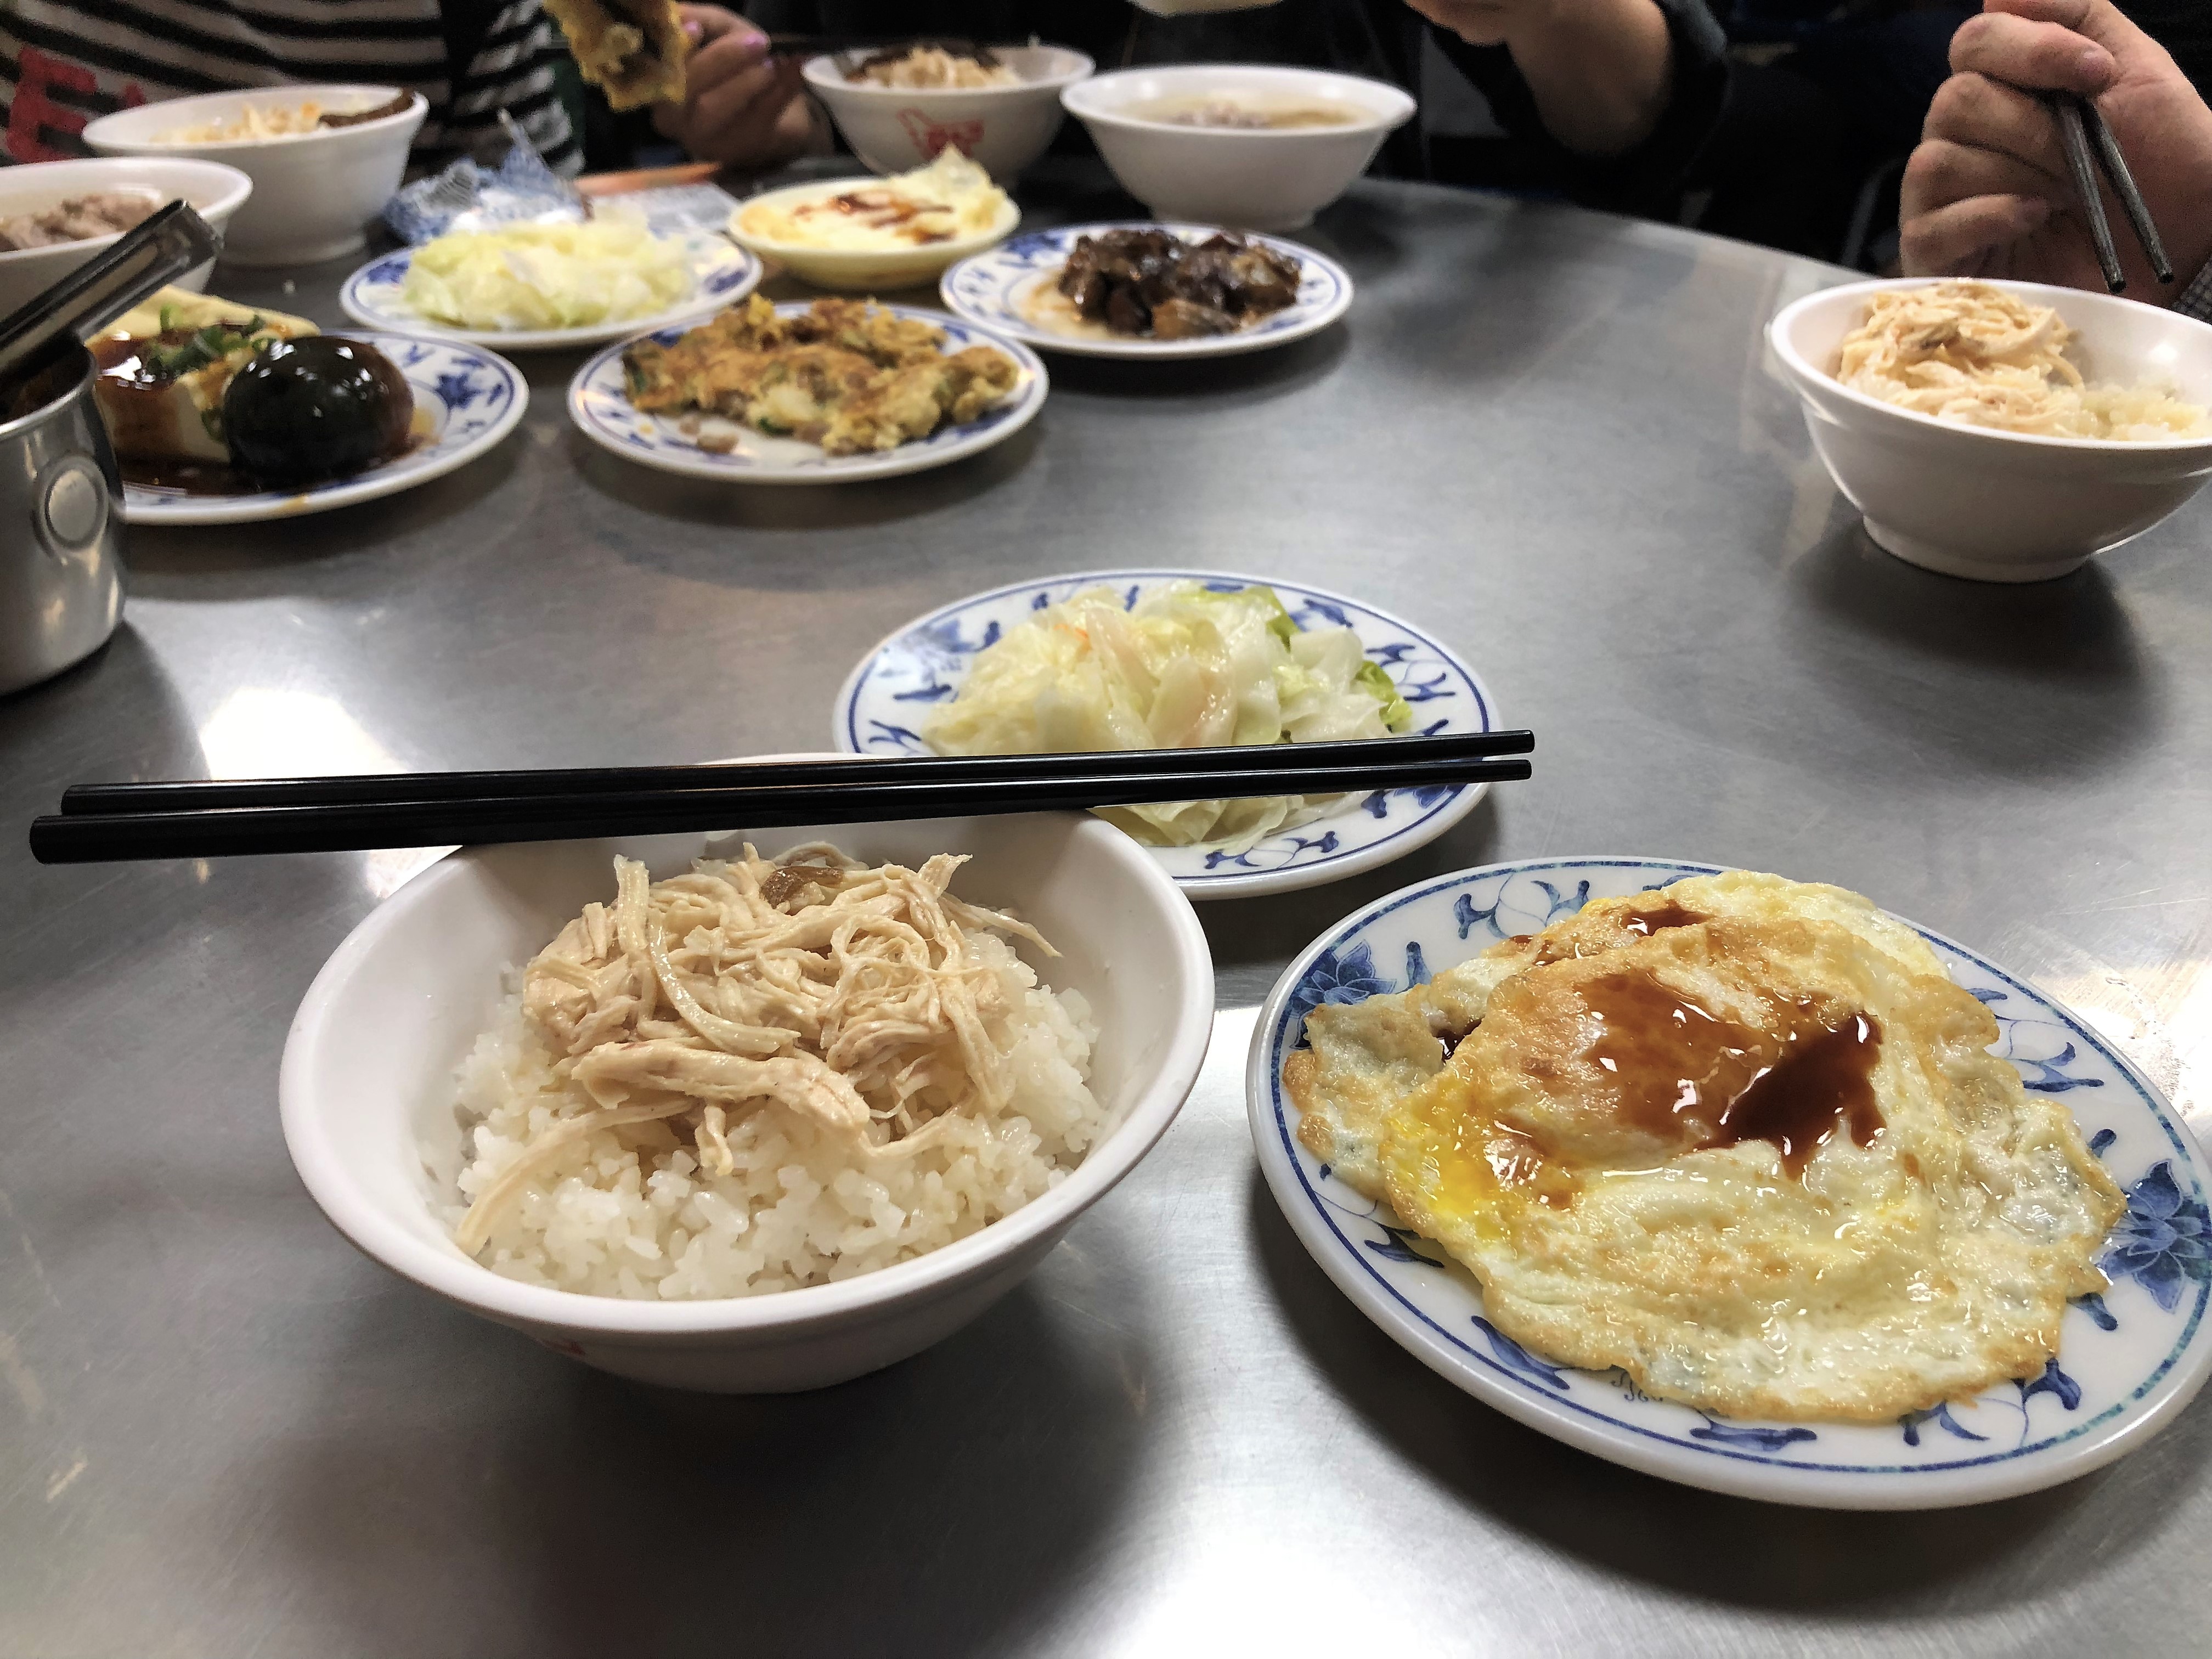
<point>1260,279</point>
<point>1149,283</point>
<point>1187,320</point>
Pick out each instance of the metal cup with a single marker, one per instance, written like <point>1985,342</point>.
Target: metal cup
<point>61,524</point>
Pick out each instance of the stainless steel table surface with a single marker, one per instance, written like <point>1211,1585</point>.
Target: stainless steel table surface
<point>1550,436</point>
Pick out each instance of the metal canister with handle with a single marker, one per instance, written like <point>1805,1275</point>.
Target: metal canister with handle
<point>61,500</point>
<point>61,497</point>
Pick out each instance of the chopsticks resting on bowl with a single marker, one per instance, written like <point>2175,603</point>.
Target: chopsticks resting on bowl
<point>190,819</point>
<point>2080,127</point>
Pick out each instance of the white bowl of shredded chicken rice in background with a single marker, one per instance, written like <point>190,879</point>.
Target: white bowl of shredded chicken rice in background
<point>1003,127</point>
<point>317,188</point>
<point>410,1059</point>
<point>1952,430</point>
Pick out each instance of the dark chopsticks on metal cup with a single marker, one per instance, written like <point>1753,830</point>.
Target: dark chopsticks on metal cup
<point>2089,143</point>
<point>99,824</point>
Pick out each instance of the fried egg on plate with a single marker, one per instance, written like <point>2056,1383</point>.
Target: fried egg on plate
<point>1742,1139</point>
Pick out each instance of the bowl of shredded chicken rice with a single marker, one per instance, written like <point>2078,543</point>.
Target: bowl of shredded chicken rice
<point>749,1112</point>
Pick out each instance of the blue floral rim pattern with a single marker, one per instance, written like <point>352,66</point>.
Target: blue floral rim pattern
<point>2112,1358</point>
<point>880,712</point>
<point>472,396</point>
<point>990,287</point>
<point>598,402</point>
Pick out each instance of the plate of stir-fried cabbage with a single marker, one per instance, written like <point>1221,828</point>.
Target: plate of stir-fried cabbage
<point>1122,660</point>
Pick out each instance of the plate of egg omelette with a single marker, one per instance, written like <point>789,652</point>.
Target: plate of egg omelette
<point>1738,1181</point>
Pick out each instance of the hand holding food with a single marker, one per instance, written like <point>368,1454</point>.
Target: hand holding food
<point>740,105</point>
<point>1987,193</point>
<point>632,49</point>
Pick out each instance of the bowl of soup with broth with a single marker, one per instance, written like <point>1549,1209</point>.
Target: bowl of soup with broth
<point>1251,146</point>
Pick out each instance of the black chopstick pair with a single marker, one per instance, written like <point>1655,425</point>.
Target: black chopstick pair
<point>2089,143</point>
<point>102,823</point>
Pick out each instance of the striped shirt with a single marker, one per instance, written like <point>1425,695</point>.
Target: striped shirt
<point>63,63</point>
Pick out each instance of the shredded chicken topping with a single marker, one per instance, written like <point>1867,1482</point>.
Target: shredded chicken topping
<point>1978,355</point>
<point>847,995</point>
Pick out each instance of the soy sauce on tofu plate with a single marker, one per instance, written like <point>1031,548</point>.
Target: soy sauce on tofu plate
<point>211,398</point>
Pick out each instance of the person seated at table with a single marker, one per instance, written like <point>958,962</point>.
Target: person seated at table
<point>1608,101</point>
<point>62,63</point>
<point>1987,193</point>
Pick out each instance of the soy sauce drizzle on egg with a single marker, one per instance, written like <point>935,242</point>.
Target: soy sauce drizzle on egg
<point>1698,1080</point>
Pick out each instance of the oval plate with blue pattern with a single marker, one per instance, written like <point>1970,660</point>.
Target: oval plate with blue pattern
<point>598,402</point>
<point>2129,1359</point>
<point>1010,288</point>
<point>466,399</point>
<point>884,704</point>
<point>722,273</point>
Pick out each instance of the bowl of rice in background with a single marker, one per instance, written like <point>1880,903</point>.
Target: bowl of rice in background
<point>405,1039</point>
<point>1002,128</point>
<point>1997,503</point>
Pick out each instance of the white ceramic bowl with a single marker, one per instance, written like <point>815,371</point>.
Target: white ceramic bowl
<point>862,270</point>
<point>366,1084</point>
<point>215,191</point>
<point>314,193</point>
<point>2003,506</point>
<point>1001,129</point>
<point>1269,178</point>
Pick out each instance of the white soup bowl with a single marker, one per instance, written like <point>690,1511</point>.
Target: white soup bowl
<point>1253,178</point>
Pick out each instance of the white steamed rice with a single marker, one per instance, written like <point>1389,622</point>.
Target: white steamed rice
<point>630,1213</point>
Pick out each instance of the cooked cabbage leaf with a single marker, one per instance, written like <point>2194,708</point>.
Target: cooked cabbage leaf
<point>546,276</point>
<point>1186,667</point>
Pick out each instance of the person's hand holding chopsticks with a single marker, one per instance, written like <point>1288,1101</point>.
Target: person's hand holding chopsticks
<point>1988,192</point>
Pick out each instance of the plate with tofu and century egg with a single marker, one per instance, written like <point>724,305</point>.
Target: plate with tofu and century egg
<point>221,413</point>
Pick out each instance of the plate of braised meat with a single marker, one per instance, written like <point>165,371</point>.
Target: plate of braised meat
<point>1149,289</point>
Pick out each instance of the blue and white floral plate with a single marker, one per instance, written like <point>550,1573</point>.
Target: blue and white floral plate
<point>1010,288</point>
<point>2129,1360</point>
<point>881,708</point>
<point>466,399</point>
<point>722,274</point>
<point>598,402</point>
